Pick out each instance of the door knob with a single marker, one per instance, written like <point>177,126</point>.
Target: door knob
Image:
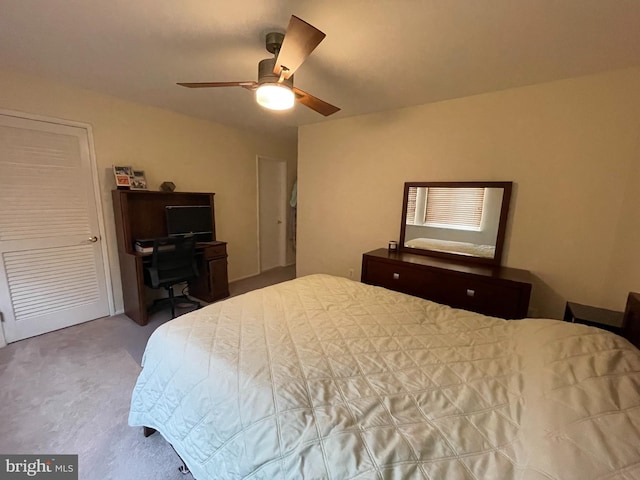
<point>93,239</point>
<point>279,222</point>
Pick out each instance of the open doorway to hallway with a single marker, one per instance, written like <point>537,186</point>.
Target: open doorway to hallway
<point>272,213</point>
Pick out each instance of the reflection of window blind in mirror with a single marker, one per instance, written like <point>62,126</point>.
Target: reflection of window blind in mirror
<point>454,208</point>
<point>411,205</point>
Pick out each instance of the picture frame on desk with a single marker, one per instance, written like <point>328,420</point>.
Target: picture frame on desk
<point>123,176</point>
<point>138,180</point>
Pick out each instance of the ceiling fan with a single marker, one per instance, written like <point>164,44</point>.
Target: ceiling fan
<point>274,88</point>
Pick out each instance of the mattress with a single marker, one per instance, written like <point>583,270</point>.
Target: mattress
<point>323,377</point>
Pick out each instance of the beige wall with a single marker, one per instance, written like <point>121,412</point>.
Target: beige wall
<point>571,148</point>
<point>196,155</point>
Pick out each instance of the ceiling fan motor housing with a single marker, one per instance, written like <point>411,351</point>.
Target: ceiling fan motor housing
<point>273,42</point>
<point>266,75</point>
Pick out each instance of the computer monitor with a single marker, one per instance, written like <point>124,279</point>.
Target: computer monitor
<point>190,219</point>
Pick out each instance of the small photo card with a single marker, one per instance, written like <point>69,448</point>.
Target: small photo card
<point>123,176</point>
<point>138,181</point>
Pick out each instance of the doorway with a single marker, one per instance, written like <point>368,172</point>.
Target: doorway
<point>53,264</point>
<point>272,213</point>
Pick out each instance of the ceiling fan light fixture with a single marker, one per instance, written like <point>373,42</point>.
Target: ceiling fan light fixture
<point>275,96</point>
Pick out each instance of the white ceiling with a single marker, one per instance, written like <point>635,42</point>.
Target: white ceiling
<point>378,54</point>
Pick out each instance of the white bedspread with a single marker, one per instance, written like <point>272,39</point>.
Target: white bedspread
<point>324,377</point>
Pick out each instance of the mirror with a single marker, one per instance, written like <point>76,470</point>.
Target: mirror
<point>465,221</point>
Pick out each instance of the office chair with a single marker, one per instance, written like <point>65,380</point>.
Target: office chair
<point>173,261</point>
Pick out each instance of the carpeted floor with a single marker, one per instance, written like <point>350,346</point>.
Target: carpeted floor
<point>68,392</point>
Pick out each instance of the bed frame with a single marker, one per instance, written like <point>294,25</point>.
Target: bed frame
<point>631,319</point>
<point>183,469</point>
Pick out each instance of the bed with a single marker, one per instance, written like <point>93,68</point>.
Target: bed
<point>450,246</point>
<point>323,377</point>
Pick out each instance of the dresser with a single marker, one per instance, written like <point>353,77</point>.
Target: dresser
<point>491,290</point>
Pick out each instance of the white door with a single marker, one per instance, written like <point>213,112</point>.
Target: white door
<point>272,212</point>
<point>52,268</point>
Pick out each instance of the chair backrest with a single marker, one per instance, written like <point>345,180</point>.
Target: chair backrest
<point>173,260</point>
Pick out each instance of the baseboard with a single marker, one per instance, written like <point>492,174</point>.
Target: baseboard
<point>245,277</point>
<point>260,273</point>
<point>276,268</point>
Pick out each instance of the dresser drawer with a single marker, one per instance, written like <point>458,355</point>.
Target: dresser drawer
<point>407,279</point>
<point>213,251</point>
<point>393,277</point>
<point>471,288</point>
<point>498,299</point>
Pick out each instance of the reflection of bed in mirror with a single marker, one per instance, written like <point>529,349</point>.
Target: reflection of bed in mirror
<point>458,248</point>
<point>456,220</point>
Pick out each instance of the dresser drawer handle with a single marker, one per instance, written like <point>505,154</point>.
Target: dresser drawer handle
<point>471,293</point>
<point>396,276</point>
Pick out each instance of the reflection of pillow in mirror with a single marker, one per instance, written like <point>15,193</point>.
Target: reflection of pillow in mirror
<point>449,246</point>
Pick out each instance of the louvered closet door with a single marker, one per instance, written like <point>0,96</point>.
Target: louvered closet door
<point>51,270</point>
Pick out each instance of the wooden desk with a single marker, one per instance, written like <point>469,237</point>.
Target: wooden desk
<point>141,214</point>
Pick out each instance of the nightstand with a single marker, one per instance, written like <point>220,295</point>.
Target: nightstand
<point>594,316</point>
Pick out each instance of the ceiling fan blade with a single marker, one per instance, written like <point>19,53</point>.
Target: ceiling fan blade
<point>248,85</point>
<point>315,103</point>
<point>300,40</point>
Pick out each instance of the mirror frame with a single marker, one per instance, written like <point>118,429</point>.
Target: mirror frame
<point>502,227</point>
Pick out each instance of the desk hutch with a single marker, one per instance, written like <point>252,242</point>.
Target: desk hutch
<point>140,214</point>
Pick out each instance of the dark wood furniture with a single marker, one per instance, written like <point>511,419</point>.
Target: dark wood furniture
<point>490,290</point>
<point>211,284</point>
<point>631,319</point>
<point>625,324</point>
<point>140,214</point>
<point>593,316</point>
